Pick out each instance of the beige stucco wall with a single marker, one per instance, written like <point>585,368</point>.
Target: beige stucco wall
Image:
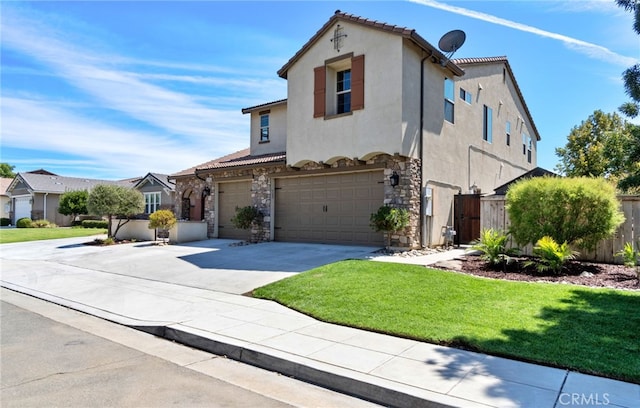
<point>376,128</point>
<point>458,157</point>
<point>45,206</point>
<point>277,130</point>
<point>5,206</point>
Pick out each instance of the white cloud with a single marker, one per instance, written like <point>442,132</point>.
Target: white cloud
<point>591,50</point>
<point>40,126</point>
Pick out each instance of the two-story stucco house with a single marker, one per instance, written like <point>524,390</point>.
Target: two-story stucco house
<point>369,105</point>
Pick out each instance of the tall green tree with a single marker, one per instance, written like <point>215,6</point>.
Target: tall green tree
<point>73,203</point>
<point>114,201</point>
<point>631,75</point>
<point>598,147</point>
<point>6,170</point>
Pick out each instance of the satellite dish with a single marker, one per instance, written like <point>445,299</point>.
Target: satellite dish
<point>451,42</point>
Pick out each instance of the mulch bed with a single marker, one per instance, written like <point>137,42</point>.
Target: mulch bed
<point>574,272</point>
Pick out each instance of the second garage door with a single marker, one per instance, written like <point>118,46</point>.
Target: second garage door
<point>231,196</point>
<point>332,209</point>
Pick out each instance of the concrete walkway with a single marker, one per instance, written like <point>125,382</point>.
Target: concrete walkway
<point>384,369</point>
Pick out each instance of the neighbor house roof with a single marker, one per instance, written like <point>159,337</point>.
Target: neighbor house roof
<point>500,60</point>
<point>536,172</point>
<point>407,33</point>
<point>161,178</point>
<point>4,185</point>
<point>239,158</point>
<point>264,105</point>
<point>45,183</point>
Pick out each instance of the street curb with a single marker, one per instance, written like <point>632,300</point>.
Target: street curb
<point>378,394</point>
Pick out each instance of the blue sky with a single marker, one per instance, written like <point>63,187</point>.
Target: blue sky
<point>113,90</point>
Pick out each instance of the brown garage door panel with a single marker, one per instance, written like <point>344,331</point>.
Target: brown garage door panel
<point>230,196</point>
<point>331,209</point>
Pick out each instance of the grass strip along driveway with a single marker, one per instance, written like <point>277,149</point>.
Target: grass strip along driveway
<point>594,331</point>
<point>8,236</point>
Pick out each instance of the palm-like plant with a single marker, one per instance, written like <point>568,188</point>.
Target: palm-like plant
<point>630,257</point>
<point>493,246</point>
<point>552,256</point>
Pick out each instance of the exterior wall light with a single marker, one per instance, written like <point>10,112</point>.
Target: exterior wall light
<point>394,179</point>
<point>206,192</point>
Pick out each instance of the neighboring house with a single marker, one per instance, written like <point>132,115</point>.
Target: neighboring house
<point>537,172</point>
<point>36,195</point>
<point>5,199</point>
<point>158,192</point>
<point>374,115</point>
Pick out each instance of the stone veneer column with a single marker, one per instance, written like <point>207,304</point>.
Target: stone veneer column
<point>405,195</point>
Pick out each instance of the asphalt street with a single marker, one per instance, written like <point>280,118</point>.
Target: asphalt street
<point>47,362</point>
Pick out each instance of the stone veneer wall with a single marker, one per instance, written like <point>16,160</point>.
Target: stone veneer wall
<point>405,195</point>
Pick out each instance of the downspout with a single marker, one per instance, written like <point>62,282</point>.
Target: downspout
<point>423,217</point>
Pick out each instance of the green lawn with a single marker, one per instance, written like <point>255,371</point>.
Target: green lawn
<point>35,234</point>
<point>594,331</point>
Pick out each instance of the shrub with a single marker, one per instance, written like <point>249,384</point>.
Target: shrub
<point>246,218</point>
<point>24,223</point>
<point>493,245</point>
<point>389,220</point>
<point>163,220</point>
<point>552,256</point>
<point>95,224</point>
<point>43,224</point>
<point>5,222</point>
<point>581,211</point>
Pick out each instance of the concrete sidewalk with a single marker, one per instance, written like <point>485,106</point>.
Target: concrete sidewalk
<point>384,369</point>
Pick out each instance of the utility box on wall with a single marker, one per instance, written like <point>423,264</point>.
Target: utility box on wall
<point>428,201</point>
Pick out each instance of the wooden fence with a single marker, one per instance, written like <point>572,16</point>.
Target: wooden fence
<point>493,214</point>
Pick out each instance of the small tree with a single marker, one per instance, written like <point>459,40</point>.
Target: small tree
<point>6,170</point>
<point>73,203</point>
<point>580,211</point>
<point>163,220</point>
<point>389,220</point>
<point>246,218</point>
<point>111,200</point>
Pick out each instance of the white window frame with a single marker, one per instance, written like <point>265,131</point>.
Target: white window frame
<point>487,124</point>
<point>344,92</point>
<point>449,101</point>
<point>152,200</point>
<point>264,129</point>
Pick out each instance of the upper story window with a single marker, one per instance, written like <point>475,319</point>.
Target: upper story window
<point>449,100</point>
<point>151,202</point>
<point>339,86</point>
<point>264,127</point>
<point>524,143</point>
<point>529,148</point>
<point>508,131</point>
<point>343,91</point>
<point>465,96</point>
<point>487,124</point>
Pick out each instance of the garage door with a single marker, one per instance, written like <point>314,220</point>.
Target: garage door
<point>333,209</point>
<point>22,208</point>
<point>231,196</point>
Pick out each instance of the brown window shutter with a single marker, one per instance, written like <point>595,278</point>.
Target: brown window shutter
<point>319,91</point>
<point>357,82</point>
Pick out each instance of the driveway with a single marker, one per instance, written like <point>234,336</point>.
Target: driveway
<point>213,264</point>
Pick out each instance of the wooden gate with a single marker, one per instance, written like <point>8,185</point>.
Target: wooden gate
<point>466,209</point>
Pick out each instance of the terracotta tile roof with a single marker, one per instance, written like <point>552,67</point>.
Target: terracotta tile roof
<point>393,29</point>
<point>264,105</point>
<point>239,158</point>
<point>501,60</point>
